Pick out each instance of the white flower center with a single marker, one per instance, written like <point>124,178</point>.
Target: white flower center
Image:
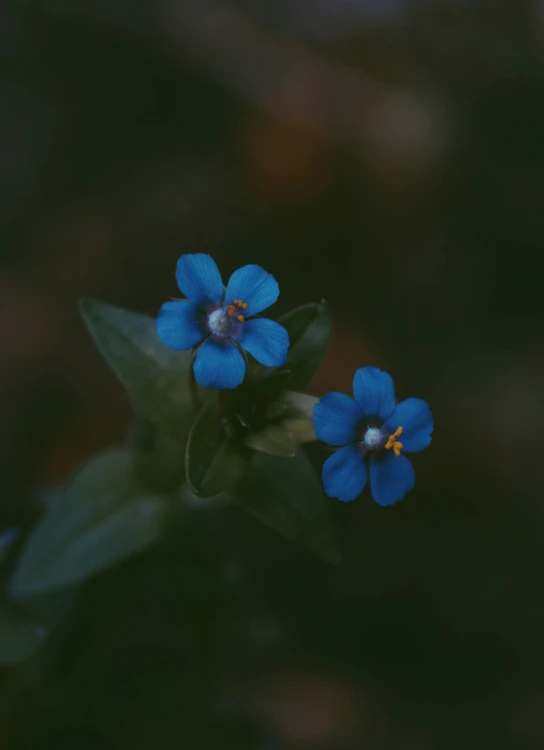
<point>373,438</point>
<point>219,322</point>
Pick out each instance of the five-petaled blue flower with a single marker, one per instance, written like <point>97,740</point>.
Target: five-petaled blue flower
<point>216,318</point>
<point>371,426</point>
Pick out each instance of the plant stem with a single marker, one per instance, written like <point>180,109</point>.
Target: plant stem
<point>193,389</point>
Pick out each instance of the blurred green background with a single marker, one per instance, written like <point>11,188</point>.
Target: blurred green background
<point>387,156</point>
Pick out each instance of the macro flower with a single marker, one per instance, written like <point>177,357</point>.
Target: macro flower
<point>220,321</point>
<point>375,433</point>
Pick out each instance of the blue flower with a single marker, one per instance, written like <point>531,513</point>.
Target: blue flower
<point>371,426</point>
<point>217,319</point>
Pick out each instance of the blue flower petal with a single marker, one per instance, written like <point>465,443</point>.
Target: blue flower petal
<point>199,279</point>
<point>254,285</point>
<point>265,340</point>
<point>336,419</point>
<point>178,325</point>
<point>219,365</point>
<point>374,391</point>
<point>391,477</point>
<point>345,474</point>
<point>416,420</point>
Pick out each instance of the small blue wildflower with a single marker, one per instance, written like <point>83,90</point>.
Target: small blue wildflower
<point>216,318</point>
<point>371,425</point>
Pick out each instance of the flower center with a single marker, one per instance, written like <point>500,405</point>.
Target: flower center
<point>392,442</point>
<point>373,438</point>
<point>376,438</point>
<point>219,322</point>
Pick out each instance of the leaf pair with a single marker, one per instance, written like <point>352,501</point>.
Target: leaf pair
<point>266,416</point>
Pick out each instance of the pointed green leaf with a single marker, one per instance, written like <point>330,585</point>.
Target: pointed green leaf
<point>216,457</point>
<point>309,328</point>
<point>286,494</point>
<point>101,517</point>
<point>155,377</point>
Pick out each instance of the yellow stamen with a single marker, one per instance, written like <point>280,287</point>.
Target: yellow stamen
<point>240,318</point>
<point>393,443</point>
<point>237,303</point>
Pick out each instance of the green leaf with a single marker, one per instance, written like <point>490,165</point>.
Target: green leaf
<point>20,636</point>
<point>216,457</point>
<point>291,429</point>
<point>275,440</point>
<point>102,517</point>
<point>155,377</point>
<point>309,328</point>
<point>286,495</point>
<point>299,404</point>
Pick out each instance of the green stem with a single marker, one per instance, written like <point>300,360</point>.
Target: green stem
<point>193,389</point>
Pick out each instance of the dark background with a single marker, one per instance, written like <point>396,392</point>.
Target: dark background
<point>387,156</point>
